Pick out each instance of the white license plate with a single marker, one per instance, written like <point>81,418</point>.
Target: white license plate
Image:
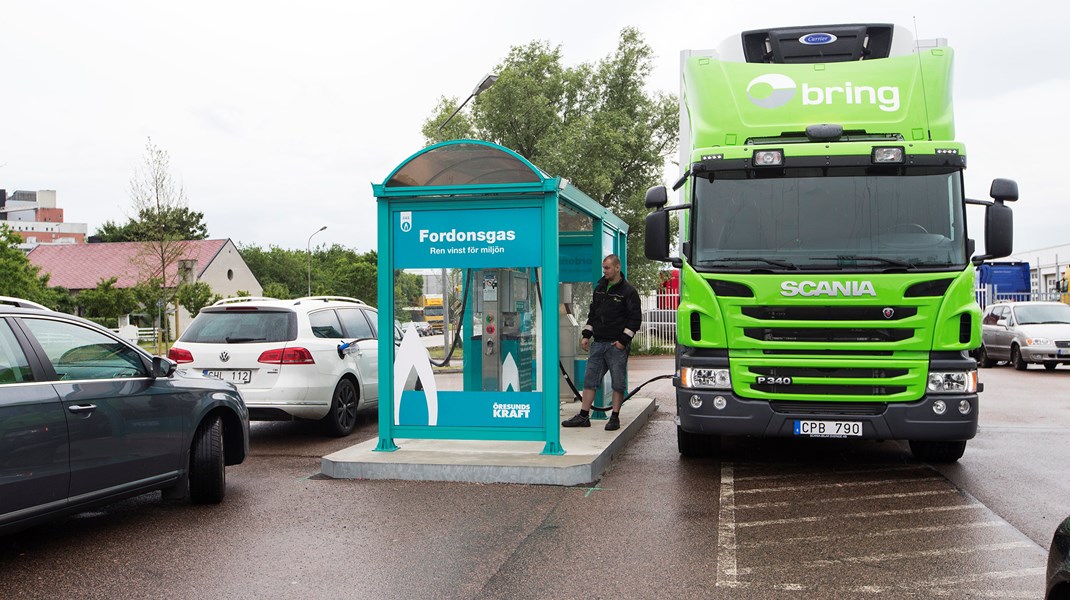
<point>233,376</point>
<point>829,428</point>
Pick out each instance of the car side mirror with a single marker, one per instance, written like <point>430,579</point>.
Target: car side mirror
<point>163,367</point>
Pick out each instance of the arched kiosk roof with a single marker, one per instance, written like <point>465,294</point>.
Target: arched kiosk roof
<point>464,162</point>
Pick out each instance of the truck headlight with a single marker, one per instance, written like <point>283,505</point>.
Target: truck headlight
<point>714,379</point>
<point>1037,341</point>
<point>954,382</point>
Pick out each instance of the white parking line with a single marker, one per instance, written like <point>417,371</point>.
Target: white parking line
<point>862,515</point>
<point>875,470</point>
<point>819,486</point>
<point>847,499</point>
<point>874,534</point>
<point>726,530</point>
<point>883,558</point>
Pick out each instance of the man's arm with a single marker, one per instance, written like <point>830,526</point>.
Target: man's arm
<point>635,317</point>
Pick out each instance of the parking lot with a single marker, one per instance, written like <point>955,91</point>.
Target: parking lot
<point>768,519</point>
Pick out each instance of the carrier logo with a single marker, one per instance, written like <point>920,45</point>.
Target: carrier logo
<point>827,288</point>
<point>817,39</point>
<point>774,90</point>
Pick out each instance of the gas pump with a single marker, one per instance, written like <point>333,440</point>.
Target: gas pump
<point>503,322</point>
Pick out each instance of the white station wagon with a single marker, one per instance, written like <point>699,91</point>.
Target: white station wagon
<point>284,356</point>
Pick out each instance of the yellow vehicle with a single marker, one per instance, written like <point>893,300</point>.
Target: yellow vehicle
<point>432,307</point>
<point>1063,286</point>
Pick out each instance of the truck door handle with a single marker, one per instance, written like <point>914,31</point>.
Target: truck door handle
<point>77,408</point>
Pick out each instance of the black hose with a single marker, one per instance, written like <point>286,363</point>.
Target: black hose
<point>460,318</point>
<point>632,393</point>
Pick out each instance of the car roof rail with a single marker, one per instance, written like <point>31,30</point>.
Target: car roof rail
<point>20,303</point>
<point>240,299</point>
<point>332,299</point>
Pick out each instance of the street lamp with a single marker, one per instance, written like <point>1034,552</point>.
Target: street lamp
<point>484,85</point>
<point>309,249</point>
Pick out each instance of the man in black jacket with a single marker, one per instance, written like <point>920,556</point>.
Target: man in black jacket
<point>612,321</point>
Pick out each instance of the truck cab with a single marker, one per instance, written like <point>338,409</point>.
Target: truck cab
<point>826,272</point>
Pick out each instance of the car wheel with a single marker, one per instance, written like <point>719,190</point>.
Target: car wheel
<point>1050,365</point>
<point>984,361</point>
<point>697,444</point>
<point>207,473</point>
<point>342,418</point>
<point>937,452</point>
<point>1017,360</point>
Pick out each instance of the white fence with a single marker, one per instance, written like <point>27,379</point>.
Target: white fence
<point>658,331</point>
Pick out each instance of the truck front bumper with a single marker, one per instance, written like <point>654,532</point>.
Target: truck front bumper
<point>880,421</point>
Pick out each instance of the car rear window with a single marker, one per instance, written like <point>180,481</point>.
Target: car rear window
<point>245,326</point>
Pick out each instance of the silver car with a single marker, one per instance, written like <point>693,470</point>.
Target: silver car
<point>1024,333</point>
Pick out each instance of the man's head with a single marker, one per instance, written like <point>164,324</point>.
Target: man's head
<point>611,268</point>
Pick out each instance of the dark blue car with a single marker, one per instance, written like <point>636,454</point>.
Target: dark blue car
<point>87,418</point>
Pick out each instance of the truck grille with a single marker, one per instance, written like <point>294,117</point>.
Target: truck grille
<point>798,334</point>
<point>831,390</point>
<point>830,313</point>
<point>876,373</point>
<point>852,409</point>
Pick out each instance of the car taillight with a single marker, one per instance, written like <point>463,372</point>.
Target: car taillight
<point>286,356</point>
<point>180,355</point>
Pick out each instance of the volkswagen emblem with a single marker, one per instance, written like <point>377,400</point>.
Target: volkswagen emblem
<point>225,356</point>
<point>888,312</point>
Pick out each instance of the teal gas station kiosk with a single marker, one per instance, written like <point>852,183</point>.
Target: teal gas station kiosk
<point>516,234</point>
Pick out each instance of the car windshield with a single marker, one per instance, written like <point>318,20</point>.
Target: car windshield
<point>243,326</point>
<point>833,218</point>
<point>1043,313</point>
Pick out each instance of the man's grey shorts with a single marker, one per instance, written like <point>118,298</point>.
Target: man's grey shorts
<point>604,356</point>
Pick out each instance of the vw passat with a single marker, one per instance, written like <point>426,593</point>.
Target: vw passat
<point>87,418</point>
<point>284,356</point>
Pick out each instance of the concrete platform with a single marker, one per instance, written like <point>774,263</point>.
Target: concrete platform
<point>588,451</point>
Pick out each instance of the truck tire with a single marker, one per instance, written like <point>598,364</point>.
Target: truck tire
<point>697,444</point>
<point>937,452</point>
<point>984,361</point>
<point>207,473</point>
<point>1017,360</point>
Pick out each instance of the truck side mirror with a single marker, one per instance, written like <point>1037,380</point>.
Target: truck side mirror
<point>999,229</point>
<point>656,197</point>
<point>657,234</point>
<point>1004,190</point>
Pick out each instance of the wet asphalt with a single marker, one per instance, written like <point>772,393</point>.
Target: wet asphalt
<point>768,519</point>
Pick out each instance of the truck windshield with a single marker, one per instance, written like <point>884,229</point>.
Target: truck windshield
<point>830,219</point>
<point>433,311</point>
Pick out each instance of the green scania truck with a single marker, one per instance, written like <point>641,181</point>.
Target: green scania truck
<point>826,273</point>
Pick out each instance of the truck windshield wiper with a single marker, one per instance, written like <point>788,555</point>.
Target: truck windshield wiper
<point>770,261</point>
<point>887,261</point>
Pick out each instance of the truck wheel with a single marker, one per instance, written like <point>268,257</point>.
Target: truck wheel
<point>207,473</point>
<point>697,444</point>
<point>1017,360</point>
<point>985,362</point>
<point>937,452</point>
<point>342,418</point>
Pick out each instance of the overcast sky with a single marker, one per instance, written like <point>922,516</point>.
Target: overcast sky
<point>278,115</point>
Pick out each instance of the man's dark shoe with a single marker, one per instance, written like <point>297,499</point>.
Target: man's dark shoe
<point>613,424</point>
<point>577,421</point>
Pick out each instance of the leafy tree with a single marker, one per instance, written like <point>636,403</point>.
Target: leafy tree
<point>153,297</point>
<point>106,303</point>
<point>179,222</point>
<point>195,296</point>
<point>20,278</point>
<point>277,290</point>
<point>594,124</point>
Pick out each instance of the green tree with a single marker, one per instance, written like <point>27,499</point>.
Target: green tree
<point>179,222</point>
<point>20,278</point>
<point>106,303</point>
<point>277,290</point>
<point>195,296</point>
<point>594,124</point>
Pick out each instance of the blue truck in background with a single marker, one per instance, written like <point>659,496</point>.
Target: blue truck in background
<point>1006,280</point>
